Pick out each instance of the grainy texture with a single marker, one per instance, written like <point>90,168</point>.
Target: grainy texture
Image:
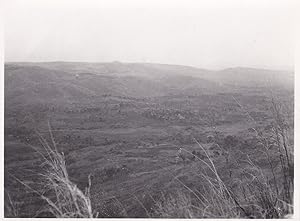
<point>154,140</point>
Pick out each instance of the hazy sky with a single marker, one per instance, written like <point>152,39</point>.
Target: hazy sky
<point>209,34</point>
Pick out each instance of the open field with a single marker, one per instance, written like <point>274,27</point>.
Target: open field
<point>127,125</point>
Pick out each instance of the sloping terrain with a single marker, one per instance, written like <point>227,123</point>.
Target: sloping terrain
<point>64,81</point>
<point>124,123</point>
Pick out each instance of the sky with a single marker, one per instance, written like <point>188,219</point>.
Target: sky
<point>206,34</point>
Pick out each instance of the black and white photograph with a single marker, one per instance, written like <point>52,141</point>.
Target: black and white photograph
<point>149,109</point>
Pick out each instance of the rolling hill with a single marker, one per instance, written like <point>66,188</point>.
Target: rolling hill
<point>70,81</point>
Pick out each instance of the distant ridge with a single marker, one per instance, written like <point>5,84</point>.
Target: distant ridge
<point>287,69</point>
<point>69,82</point>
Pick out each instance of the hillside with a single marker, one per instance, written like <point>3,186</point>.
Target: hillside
<point>71,81</point>
<point>126,123</point>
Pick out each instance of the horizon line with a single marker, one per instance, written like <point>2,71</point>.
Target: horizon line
<point>287,68</point>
